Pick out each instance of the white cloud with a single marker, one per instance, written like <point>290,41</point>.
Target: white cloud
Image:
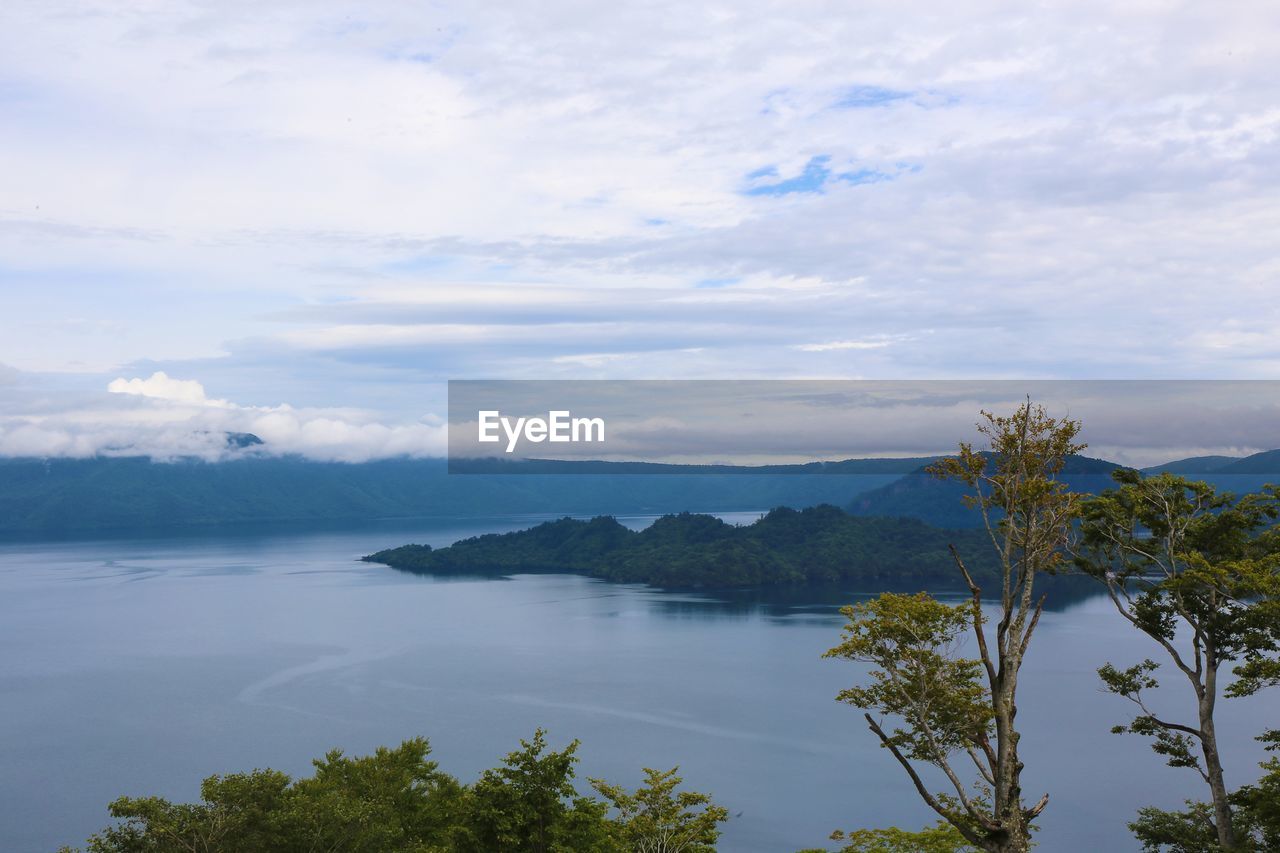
<point>165,418</point>
<point>340,200</point>
<point>590,359</point>
<point>159,386</point>
<point>839,345</point>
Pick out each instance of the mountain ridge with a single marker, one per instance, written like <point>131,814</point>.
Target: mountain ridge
<point>130,492</point>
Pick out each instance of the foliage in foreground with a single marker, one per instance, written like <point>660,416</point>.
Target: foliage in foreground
<point>1255,813</point>
<point>398,801</point>
<point>954,713</point>
<point>1198,572</point>
<point>942,837</point>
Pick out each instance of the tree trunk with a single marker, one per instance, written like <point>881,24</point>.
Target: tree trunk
<point>1222,817</point>
<point>1007,808</point>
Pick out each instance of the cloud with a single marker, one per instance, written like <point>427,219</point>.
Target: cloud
<point>166,418</point>
<point>839,345</point>
<point>320,436</point>
<point>159,386</point>
<point>465,190</point>
<point>1136,423</point>
<point>1139,422</point>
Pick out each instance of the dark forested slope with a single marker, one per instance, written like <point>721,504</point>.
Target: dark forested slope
<point>786,546</point>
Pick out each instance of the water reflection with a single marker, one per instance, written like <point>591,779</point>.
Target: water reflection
<point>822,602</point>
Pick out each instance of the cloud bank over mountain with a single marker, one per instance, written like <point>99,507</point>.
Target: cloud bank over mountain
<point>741,422</point>
<point>167,418</point>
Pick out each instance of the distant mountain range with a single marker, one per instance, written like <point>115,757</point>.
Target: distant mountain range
<point>1266,463</point>
<point>52,495</point>
<point>940,503</point>
<point>921,496</point>
<point>40,496</point>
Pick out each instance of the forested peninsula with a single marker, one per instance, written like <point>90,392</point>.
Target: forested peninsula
<point>786,546</point>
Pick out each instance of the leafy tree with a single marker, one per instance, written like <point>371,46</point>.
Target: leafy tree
<point>958,713</point>
<point>530,804</point>
<point>942,837</point>
<point>1187,831</point>
<point>393,800</point>
<point>1260,805</point>
<point>240,810</point>
<point>657,819</point>
<point>1255,819</point>
<point>1197,571</point>
<point>397,801</point>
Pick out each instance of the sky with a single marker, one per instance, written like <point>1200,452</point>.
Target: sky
<point>301,219</point>
<point>1138,423</point>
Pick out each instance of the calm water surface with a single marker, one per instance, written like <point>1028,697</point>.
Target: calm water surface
<point>139,666</point>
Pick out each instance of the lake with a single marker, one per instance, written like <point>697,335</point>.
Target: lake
<point>141,665</point>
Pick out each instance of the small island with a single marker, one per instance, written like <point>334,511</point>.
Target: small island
<point>688,550</point>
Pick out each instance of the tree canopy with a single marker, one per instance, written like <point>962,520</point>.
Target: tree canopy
<point>398,801</point>
<point>1198,572</point>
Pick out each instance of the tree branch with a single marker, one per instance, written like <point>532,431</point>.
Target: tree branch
<point>1035,620</point>
<point>1035,810</point>
<point>976,591</point>
<point>931,801</point>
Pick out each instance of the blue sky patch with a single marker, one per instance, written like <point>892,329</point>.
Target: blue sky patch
<point>420,263</point>
<point>815,178</point>
<point>864,97</point>
<point>863,176</point>
<point>810,180</point>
